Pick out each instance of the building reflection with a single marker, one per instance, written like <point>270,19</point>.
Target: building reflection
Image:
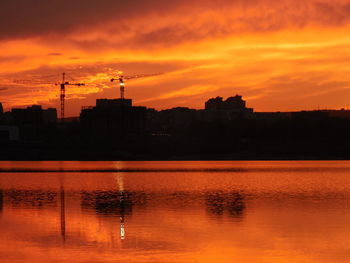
<point>1,201</point>
<point>63,214</point>
<point>122,228</point>
<point>117,206</point>
<point>110,203</point>
<point>37,199</point>
<point>219,202</point>
<point>31,198</point>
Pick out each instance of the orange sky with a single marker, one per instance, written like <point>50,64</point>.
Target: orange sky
<point>280,55</point>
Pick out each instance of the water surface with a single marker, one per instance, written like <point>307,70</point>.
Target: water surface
<point>175,211</point>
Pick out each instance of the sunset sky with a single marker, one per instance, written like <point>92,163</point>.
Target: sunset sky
<point>280,55</point>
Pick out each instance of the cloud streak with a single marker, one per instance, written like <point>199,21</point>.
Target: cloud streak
<point>23,19</point>
<point>264,49</point>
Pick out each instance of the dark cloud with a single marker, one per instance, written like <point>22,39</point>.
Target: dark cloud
<point>24,18</point>
<point>177,34</point>
<point>54,73</point>
<point>55,54</point>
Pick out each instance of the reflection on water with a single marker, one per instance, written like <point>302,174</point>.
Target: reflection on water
<point>63,214</point>
<point>113,203</point>
<point>217,202</point>
<point>236,211</point>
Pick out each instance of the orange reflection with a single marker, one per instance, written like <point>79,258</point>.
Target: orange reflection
<point>154,211</point>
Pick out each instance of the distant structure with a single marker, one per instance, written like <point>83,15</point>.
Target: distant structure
<point>62,85</point>
<point>111,104</point>
<point>113,118</point>
<point>31,121</point>
<point>176,118</point>
<point>9,133</point>
<point>33,115</point>
<point>231,103</point>
<point>1,114</point>
<point>343,113</point>
<point>231,108</point>
<point>114,129</point>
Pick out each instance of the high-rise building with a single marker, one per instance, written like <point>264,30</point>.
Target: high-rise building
<point>34,115</point>
<point>229,109</point>
<point>113,118</point>
<point>231,103</point>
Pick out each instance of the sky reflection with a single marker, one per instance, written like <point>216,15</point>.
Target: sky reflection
<point>177,217</point>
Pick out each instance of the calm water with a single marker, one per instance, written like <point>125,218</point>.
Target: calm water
<point>175,212</point>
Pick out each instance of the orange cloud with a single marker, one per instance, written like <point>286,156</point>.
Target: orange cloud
<point>282,55</point>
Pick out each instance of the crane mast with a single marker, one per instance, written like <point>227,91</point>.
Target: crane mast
<point>63,85</point>
<point>62,95</point>
<point>121,84</point>
<point>120,77</point>
<point>122,87</point>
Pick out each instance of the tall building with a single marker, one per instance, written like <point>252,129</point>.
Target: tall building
<point>9,133</point>
<point>176,118</point>
<point>32,120</point>
<point>231,108</point>
<point>33,115</point>
<point>113,118</point>
<point>231,103</point>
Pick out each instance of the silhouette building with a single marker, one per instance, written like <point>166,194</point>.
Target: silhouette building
<point>26,123</point>
<point>2,114</point>
<point>113,118</point>
<point>229,109</point>
<point>231,103</point>
<point>33,115</point>
<point>166,120</point>
<point>9,133</point>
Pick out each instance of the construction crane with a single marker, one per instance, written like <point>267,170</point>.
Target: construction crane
<point>62,85</point>
<point>121,79</point>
